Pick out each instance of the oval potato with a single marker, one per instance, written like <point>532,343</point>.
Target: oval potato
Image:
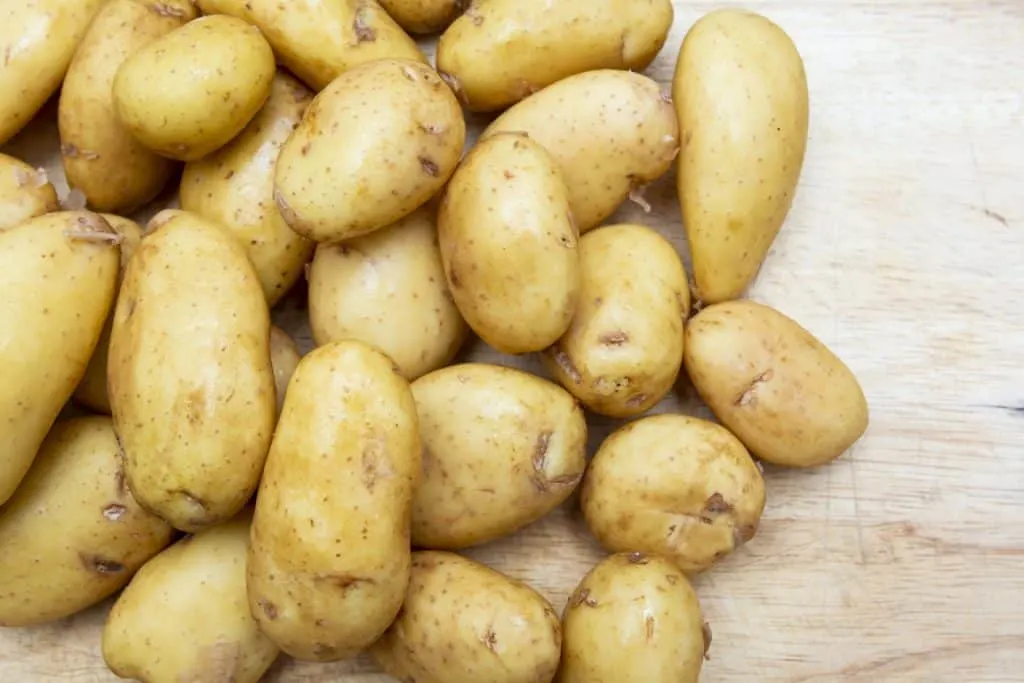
<point>284,357</point>
<point>25,192</point>
<point>424,16</point>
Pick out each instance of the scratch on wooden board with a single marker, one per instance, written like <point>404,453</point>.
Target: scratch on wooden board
<point>997,217</point>
<point>852,455</point>
<point>1014,410</point>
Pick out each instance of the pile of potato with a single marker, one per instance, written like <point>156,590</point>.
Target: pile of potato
<point>316,137</point>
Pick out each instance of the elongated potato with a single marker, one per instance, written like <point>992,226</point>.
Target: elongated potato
<point>622,135</point>
<point>189,372</point>
<point>329,562</point>
<point>424,16</point>
<point>501,449</point>
<point>284,357</point>
<point>463,622</point>
<point>58,275</point>
<point>501,51</point>
<point>25,192</point>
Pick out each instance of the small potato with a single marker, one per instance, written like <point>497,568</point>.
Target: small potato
<point>284,357</point>
<point>388,289</point>
<point>424,16</point>
<point>329,562</point>
<point>705,501</point>
<point>633,619</point>
<point>789,399</point>
<point>624,348</point>
<point>72,534</point>
<point>25,192</point>
<point>501,51</point>
<point>622,135</point>
<point>509,244</point>
<point>463,622</point>
<point>501,449</point>
<point>376,144</point>
<point>185,616</point>
<point>215,74</point>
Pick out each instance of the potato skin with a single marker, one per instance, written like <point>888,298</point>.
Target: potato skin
<point>463,622</point>
<point>327,572</point>
<point>25,192</point>
<point>189,372</point>
<point>501,449</point>
<point>741,95</point>
<point>387,289</point>
<point>424,16</point>
<point>622,135</point>
<point>284,357</point>
<point>501,51</point>
<point>782,392</point>
<point>509,245</point>
<point>374,145</point>
<point>624,348</point>
<point>185,616</point>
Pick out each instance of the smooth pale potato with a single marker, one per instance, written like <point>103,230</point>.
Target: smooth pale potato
<point>509,245</point>
<point>72,534</point>
<point>624,348</point>
<point>622,135</point>
<point>501,51</point>
<point>284,357</point>
<point>634,618</point>
<point>705,500</point>
<point>501,449</point>
<point>329,562</point>
<point>424,16</point>
<point>318,40</point>
<point>189,372</point>
<point>58,275</point>
<point>25,192</point>
<point>185,615</point>
<point>463,622</point>
<point>782,392</point>
<point>215,74</point>
<point>374,145</point>
<point>741,95</point>
<point>388,289</point>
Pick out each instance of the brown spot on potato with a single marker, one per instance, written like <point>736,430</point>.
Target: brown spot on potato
<point>72,152</point>
<point>429,166</point>
<point>616,338</point>
<point>636,400</point>
<point>162,9</point>
<point>433,128</point>
<point>749,396</point>
<point>717,505</point>
<point>490,640</point>
<point>304,150</point>
<point>649,629</point>
<point>453,278</point>
<point>706,631</point>
<point>100,565</point>
<point>638,558</point>
<point>114,512</point>
<point>364,32</point>
<point>566,365</point>
<point>583,598</point>
<point>672,579</point>
<point>345,582</point>
<point>509,175</point>
<point>324,651</point>
<point>269,609</point>
<point>375,463</point>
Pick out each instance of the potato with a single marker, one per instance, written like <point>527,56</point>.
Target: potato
<point>284,357</point>
<point>705,501</point>
<point>25,192</point>
<point>185,616</point>
<point>388,289</point>
<point>373,146</point>
<point>58,275</point>
<point>72,534</point>
<point>624,348</point>
<point>424,16</point>
<point>501,449</point>
<point>320,39</point>
<point>741,95</point>
<point>622,135</point>
<point>329,562</point>
<point>189,372</point>
<point>509,245</point>
<point>463,622</point>
<point>501,51</point>
<point>216,74</point>
<point>633,619</point>
<point>789,399</point>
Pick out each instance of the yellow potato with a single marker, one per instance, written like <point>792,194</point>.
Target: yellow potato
<point>501,449</point>
<point>705,501</point>
<point>329,562</point>
<point>424,16</point>
<point>189,372</point>
<point>376,144</point>
<point>782,392</point>
<point>622,135</point>
<point>284,357</point>
<point>185,616</point>
<point>624,348</point>
<point>633,619</point>
<point>741,96</point>
<point>319,39</point>
<point>25,192</point>
<point>509,245</point>
<point>463,622</point>
<point>72,534</point>
<point>501,51</point>
<point>58,275</point>
<point>388,289</point>
<point>215,75</point>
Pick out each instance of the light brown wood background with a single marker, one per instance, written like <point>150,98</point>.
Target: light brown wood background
<point>904,560</point>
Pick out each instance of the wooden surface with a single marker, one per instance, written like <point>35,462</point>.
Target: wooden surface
<point>904,560</point>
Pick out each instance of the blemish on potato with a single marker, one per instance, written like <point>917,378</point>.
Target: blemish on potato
<point>717,505</point>
<point>429,166</point>
<point>162,9</point>
<point>617,338</point>
<point>563,361</point>
<point>636,400</point>
<point>706,631</point>
<point>749,397</point>
<point>100,565</point>
<point>583,598</point>
<point>649,629</point>
<point>742,534</point>
<point>364,32</point>
<point>269,609</point>
<point>490,640</point>
<point>114,512</point>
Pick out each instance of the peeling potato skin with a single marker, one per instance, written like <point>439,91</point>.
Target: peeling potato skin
<point>463,622</point>
<point>502,448</point>
<point>104,535</point>
<point>25,192</point>
<point>284,358</point>
<point>782,392</point>
<point>329,562</point>
<point>424,16</point>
